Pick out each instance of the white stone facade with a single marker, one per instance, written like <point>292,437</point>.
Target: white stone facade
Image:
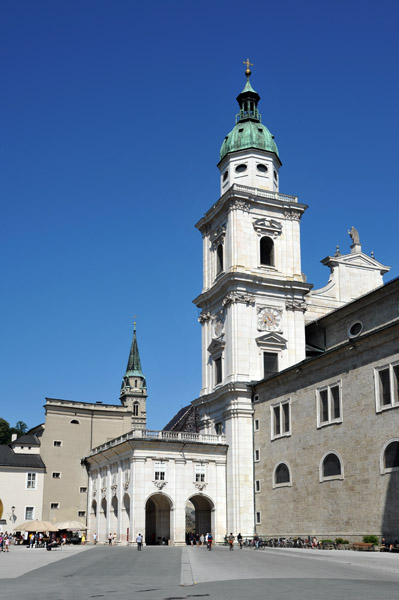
<point>142,481</point>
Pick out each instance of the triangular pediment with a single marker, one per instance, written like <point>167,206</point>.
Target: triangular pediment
<point>216,345</point>
<point>355,259</point>
<point>272,340</point>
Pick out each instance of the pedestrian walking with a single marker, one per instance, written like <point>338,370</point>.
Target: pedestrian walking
<point>110,539</point>
<point>139,541</point>
<point>210,540</point>
<point>231,541</point>
<point>239,540</point>
<point>94,538</point>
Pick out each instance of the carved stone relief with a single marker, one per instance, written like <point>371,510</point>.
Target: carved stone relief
<point>268,227</point>
<point>292,215</point>
<point>200,485</point>
<point>233,297</point>
<point>296,305</point>
<point>218,236</point>
<point>204,316</point>
<point>239,205</point>
<point>160,484</point>
<point>218,323</point>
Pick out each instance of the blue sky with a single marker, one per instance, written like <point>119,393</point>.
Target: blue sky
<point>112,116</point>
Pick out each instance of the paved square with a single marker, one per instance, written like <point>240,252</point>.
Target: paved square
<point>162,573</point>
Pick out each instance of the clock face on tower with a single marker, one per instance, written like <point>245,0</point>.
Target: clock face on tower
<point>269,319</point>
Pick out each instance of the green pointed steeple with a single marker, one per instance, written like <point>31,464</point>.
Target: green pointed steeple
<point>133,368</point>
<point>133,393</point>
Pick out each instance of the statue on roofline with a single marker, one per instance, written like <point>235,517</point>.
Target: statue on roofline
<point>354,235</point>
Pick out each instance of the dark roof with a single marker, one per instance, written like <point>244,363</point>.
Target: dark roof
<point>9,458</point>
<point>185,420</point>
<point>27,440</point>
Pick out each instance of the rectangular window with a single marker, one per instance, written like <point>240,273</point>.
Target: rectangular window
<point>56,475</point>
<point>57,443</point>
<point>258,518</point>
<point>31,481</point>
<point>281,419</point>
<point>199,472</point>
<point>329,405</point>
<point>81,513</point>
<point>159,471</point>
<point>55,505</point>
<point>218,428</point>
<point>256,425</point>
<point>135,410</point>
<point>29,512</point>
<point>257,485</point>
<point>257,455</point>
<point>218,370</point>
<point>83,490</point>
<point>270,363</point>
<point>387,379</point>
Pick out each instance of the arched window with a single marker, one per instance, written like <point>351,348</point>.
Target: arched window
<point>219,259</point>
<point>266,251</point>
<point>282,474</point>
<point>331,466</point>
<point>391,456</point>
<point>135,409</point>
<point>75,422</point>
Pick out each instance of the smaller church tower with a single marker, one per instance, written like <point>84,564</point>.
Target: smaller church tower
<point>134,388</point>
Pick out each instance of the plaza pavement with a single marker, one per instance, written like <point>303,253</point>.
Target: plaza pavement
<point>162,573</point>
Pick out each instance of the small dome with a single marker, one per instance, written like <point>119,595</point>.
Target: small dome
<point>248,134</point>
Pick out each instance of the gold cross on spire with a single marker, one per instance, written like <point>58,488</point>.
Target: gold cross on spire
<point>248,70</point>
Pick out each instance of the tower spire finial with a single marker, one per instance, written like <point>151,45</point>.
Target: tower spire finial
<point>248,70</point>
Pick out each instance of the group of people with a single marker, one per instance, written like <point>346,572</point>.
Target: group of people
<point>195,539</point>
<point>5,541</point>
<point>111,538</point>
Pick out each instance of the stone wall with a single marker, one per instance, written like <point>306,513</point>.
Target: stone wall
<point>363,501</point>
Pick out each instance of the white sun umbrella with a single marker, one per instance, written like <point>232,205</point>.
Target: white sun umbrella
<point>71,525</point>
<point>36,525</point>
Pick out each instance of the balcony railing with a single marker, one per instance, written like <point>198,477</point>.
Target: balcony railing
<point>265,193</point>
<point>164,436</point>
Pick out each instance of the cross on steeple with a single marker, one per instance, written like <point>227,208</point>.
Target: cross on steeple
<point>248,70</point>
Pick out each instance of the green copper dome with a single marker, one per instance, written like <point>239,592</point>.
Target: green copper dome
<point>249,131</point>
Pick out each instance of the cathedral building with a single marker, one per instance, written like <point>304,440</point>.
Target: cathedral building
<point>294,431</point>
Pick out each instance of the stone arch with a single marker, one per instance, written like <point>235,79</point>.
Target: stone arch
<point>158,528</point>
<point>282,475</point>
<point>104,507</point>
<point>204,513</point>
<point>391,447</point>
<point>331,463</point>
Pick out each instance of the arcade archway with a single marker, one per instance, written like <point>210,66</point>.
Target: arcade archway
<point>157,520</point>
<point>199,515</point>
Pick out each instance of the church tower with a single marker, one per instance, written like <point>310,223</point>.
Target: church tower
<point>134,388</point>
<point>252,303</point>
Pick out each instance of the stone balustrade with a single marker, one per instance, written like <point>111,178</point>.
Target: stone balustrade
<point>165,436</point>
<point>265,193</point>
